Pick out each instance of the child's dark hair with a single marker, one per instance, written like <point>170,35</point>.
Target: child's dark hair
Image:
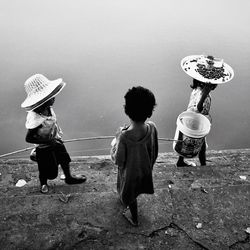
<point>197,83</point>
<point>139,104</point>
<point>44,105</point>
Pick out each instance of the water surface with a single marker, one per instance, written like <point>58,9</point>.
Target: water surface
<point>102,48</point>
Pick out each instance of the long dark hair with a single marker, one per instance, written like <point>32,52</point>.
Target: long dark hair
<point>197,83</point>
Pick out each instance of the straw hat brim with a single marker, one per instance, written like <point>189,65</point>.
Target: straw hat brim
<point>53,94</point>
<point>36,100</point>
<point>190,66</point>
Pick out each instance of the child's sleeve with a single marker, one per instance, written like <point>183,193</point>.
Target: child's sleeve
<point>33,120</point>
<point>31,135</point>
<point>155,145</point>
<point>32,124</point>
<point>118,151</point>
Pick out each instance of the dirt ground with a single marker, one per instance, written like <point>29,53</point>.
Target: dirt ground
<point>192,208</point>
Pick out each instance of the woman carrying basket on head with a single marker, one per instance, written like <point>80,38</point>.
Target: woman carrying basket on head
<point>207,72</point>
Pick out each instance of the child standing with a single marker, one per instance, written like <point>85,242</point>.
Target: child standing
<point>135,150</point>
<point>206,72</point>
<point>43,130</point>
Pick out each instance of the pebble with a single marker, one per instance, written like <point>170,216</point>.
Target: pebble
<point>21,183</point>
<point>199,225</point>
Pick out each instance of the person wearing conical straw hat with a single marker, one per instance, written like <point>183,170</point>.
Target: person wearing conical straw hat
<point>44,131</point>
<point>207,72</point>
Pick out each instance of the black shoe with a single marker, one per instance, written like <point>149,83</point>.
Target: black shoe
<point>74,180</point>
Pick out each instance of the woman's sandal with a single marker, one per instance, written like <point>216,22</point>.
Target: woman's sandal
<point>187,164</point>
<point>44,189</point>
<point>129,219</point>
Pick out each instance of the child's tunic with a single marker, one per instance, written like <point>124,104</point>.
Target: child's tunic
<point>48,156</point>
<point>49,126</point>
<point>135,160</point>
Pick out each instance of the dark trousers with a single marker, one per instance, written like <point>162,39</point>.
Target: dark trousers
<point>48,159</point>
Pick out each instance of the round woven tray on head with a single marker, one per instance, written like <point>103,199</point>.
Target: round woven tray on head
<point>207,69</point>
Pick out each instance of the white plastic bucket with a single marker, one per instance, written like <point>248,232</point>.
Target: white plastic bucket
<point>191,130</point>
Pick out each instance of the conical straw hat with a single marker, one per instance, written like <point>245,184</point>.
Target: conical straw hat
<point>39,90</point>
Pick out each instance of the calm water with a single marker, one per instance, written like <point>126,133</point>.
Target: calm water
<point>102,48</point>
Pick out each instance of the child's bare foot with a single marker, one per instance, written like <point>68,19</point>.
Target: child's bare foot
<point>128,217</point>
